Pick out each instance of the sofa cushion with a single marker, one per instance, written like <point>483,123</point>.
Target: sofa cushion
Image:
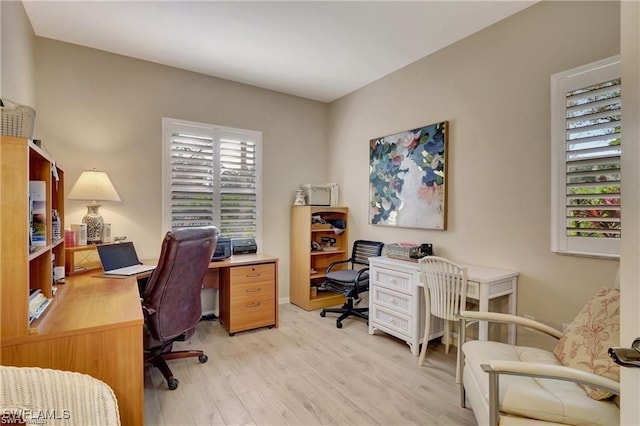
<point>543,399</point>
<point>586,340</point>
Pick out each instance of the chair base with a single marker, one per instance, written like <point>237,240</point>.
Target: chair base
<point>159,359</point>
<point>347,310</point>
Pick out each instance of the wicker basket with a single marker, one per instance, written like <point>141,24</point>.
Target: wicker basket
<point>16,120</point>
<point>404,251</point>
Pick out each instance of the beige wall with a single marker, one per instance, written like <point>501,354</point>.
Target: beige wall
<point>104,111</point>
<point>17,58</point>
<point>494,89</point>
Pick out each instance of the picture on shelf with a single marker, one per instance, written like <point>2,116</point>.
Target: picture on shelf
<point>38,205</point>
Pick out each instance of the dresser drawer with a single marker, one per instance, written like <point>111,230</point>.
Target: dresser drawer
<point>394,300</point>
<point>391,279</point>
<point>401,325</point>
<point>252,274</point>
<point>473,290</point>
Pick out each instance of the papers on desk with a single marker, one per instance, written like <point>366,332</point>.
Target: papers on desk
<point>37,305</point>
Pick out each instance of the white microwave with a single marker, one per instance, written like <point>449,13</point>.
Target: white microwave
<point>321,194</point>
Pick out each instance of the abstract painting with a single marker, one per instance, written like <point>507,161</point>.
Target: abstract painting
<point>408,176</point>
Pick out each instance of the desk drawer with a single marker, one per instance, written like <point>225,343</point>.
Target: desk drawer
<point>401,324</point>
<point>394,300</point>
<point>252,290</point>
<point>394,280</point>
<point>251,313</point>
<point>252,274</point>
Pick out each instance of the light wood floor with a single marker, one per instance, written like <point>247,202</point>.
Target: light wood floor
<point>306,372</point>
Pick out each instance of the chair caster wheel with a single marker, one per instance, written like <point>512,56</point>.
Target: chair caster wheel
<point>323,314</point>
<point>270,327</point>
<point>203,358</point>
<point>338,324</point>
<point>173,384</point>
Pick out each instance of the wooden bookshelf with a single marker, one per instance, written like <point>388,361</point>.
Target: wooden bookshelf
<point>307,266</point>
<point>22,270</point>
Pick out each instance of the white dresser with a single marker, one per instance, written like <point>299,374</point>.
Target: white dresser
<point>396,299</point>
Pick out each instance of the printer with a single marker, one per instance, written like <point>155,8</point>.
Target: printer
<point>223,249</point>
<point>244,245</point>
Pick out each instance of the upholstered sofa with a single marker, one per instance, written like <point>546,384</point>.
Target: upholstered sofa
<point>505,384</point>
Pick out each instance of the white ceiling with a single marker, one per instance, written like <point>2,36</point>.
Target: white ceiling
<point>318,50</point>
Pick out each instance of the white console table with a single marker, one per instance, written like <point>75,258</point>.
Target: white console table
<point>396,299</point>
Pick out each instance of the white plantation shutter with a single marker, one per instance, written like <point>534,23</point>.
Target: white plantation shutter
<point>211,177</point>
<point>237,202</point>
<point>586,126</point>
<point>192,181</point>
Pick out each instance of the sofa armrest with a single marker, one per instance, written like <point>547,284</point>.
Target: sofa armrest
<point>545,371</point>
<point>507,318</point>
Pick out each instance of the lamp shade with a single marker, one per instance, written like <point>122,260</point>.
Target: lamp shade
<point>94,185</point>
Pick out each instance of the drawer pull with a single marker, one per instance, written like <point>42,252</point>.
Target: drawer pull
<point>253,305</point>
<point>254,274</point>
<point>253,290</point>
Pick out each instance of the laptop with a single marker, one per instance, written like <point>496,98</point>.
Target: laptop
<point>121,259</point>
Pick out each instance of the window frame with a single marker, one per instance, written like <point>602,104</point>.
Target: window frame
<point>215,132</point>
<point>561,83</point>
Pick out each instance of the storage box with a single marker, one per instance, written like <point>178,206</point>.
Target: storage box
<point>317,195</point>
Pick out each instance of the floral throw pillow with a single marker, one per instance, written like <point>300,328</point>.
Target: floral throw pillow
<point>586,340</point>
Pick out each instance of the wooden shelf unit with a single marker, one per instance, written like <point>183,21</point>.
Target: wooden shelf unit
<point>22,161</point>
<point>307,267</point>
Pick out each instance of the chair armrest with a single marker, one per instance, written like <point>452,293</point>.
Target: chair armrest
<point>548,371</point>
<point>332,264</point>
<point>507,318</point>
<point>545,371</point>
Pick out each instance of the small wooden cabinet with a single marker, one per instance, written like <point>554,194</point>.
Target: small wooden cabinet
<point>308,264</point>
<point>80,259</point>
<point>248,292</point>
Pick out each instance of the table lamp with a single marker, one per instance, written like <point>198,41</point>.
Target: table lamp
<point>95,186</point>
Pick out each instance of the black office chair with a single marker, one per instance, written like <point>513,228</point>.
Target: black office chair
<point>171,300</point>
<point>351,282</point>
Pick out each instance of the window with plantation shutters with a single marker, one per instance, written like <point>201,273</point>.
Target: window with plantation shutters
<point>211,177</point>
<point>586,148</point>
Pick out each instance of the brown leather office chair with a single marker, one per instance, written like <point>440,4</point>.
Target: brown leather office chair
<point>171,299</point>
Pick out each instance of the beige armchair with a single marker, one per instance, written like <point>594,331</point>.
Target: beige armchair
<point>576,383</point>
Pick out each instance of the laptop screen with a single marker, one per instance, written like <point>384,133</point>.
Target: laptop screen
<point>116,256</point>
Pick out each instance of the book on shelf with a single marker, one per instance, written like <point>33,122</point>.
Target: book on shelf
<point>38,205</point>
<point>38,303</point>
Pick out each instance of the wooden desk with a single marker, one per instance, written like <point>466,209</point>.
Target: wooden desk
<point>396,299</point>
<point>94,326</point>
<point>248,286</point>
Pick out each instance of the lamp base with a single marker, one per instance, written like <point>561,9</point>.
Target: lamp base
<point>94,223</point>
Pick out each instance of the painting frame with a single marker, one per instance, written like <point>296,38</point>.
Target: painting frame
<point>408,178</point>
